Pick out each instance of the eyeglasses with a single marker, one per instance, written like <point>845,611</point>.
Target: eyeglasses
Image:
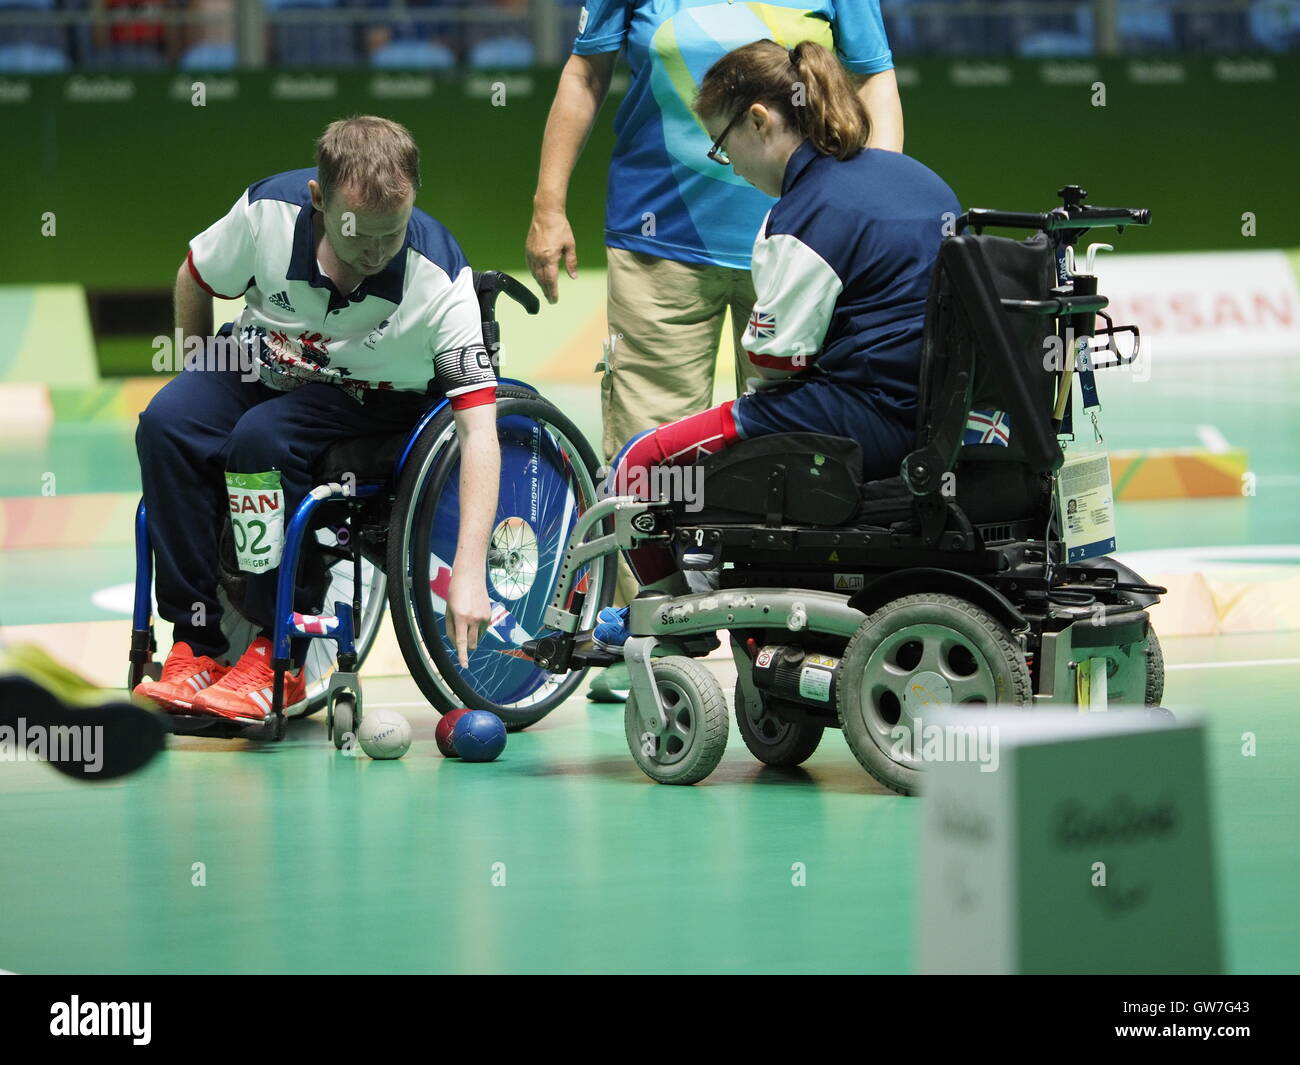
<point>718,153</point>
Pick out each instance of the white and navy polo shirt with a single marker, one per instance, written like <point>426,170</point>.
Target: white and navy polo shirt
<point>415,326</point>
<point>842,270</point>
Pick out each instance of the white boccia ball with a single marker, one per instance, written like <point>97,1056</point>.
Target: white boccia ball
<point>384,734</point>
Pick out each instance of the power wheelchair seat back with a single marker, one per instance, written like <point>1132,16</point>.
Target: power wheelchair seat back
<point>860,604</point>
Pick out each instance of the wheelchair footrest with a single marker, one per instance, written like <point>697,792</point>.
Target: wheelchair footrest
<point>586,654</point>
<point>217,727</point>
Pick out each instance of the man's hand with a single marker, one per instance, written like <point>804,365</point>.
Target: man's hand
<point>550,241</point>
<point>584,83</point>
<point>468,611</point>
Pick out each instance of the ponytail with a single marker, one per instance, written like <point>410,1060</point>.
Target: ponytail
<point>806,84</point>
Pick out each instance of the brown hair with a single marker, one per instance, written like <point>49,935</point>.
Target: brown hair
<point>374,158</point>
<point>806,85</point>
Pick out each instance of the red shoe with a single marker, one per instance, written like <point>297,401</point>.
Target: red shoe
<point>184,675</point>
<point>244,694</point>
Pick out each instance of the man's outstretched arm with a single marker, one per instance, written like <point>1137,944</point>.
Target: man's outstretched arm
<point>468,606</point>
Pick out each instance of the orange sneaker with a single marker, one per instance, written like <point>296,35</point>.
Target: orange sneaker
<point>184,675</point>
<point>244,693</point>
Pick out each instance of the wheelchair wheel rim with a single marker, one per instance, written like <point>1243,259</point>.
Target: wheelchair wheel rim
<point>544,486</point>
<point>918,668</point>
<point>677,729</point>
<point>513,558</point>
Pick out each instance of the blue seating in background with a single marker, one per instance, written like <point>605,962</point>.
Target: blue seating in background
<point>413,55</point>
<point>424,34</point>
<point>1145,26</point>
<point>502,53</point>
<point>28,58</point>
<point>210,55</point>
<point>307,44</point>
<point>1060,36</point>
<point>33,47</point>
<point>1275,24</point>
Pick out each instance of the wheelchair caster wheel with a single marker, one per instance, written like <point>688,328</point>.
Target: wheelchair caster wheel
<point>685,745</point>
<point>149,671</point>
<point>770,739</point>
<point>342,721</point>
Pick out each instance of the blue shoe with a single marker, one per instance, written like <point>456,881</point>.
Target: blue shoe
<point>611,632</point>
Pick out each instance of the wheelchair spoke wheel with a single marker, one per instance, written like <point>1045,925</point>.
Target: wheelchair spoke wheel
<point>547,480</point>
<point>915,655</point>
<point>684,744</point>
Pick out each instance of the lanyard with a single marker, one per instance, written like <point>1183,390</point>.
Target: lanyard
<point>1083,365</point>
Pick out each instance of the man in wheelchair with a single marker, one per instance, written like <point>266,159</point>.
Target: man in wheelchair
<point>882,519</point>
<point>360,312</point>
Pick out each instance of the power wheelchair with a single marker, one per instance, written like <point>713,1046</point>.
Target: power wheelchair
<point>861,606</point>
<point>379,530</point>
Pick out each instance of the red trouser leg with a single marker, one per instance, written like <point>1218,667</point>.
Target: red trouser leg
<point>680,443</point>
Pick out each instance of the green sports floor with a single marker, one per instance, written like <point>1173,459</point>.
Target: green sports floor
<point>224,856</point>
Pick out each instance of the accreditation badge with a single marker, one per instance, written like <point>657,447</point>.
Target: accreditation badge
<point>257,519</point>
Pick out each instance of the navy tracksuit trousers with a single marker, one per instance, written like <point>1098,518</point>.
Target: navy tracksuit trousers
<point>205,423</point>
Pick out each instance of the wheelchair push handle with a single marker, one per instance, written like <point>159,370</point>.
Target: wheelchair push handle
<point>1073,217</point>
<point>490,284</point>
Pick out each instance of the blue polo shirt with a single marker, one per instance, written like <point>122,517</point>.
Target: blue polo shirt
<point>666,197</point>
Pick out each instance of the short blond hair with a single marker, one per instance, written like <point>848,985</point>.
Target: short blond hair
<point>374,158</point>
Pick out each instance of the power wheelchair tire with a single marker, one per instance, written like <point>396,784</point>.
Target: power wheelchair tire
<point>955,652</point>
<point>548,474</point>
<point>771,740</point>
<point>1155,690</point>
<point>322,655</point>
<point>692,744</point>
<point>1155,684</point>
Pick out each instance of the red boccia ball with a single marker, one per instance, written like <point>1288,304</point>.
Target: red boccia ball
<point>443,733</point>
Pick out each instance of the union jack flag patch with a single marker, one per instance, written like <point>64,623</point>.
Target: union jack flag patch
<point>314,624</point>
<point>988,427</point>
<point>762,324</point>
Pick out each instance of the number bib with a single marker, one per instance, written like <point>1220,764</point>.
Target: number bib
<point>256,519</point>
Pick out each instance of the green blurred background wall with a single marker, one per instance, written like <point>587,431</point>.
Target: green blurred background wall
<point>131,169</point>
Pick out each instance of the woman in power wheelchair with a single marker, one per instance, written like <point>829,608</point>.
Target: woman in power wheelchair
<point>863,603</point>
<point>380,530</point>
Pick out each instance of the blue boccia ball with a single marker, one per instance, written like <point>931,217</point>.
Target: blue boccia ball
<point>479,736</point>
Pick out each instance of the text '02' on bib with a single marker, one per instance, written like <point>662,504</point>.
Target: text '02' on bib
<point>256,519</point>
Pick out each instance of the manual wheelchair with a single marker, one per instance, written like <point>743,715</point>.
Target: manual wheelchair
<point>862,606</point>
<point>380,529</point>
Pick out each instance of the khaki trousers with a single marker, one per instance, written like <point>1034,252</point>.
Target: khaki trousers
<point>665,324</point>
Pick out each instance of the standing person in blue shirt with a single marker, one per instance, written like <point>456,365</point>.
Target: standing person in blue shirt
<point>842,267</point>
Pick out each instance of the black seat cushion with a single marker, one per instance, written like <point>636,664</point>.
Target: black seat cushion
<point>821,479</point>
<point>366,458</point>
